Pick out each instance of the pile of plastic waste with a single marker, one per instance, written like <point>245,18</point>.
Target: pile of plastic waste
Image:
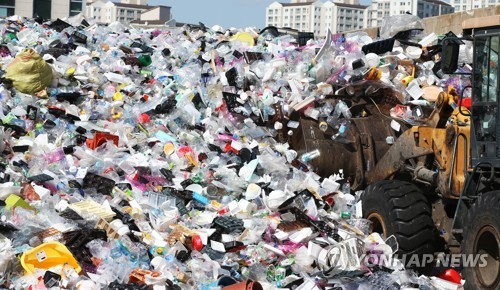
<point>158,158</point>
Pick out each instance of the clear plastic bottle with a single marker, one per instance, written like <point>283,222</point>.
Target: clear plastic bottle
<point>333,121</point>
<point>340,135</point>
<point>327,109</point>
<point>306,157</point>
<point>346,188</point>
<point>342,108</point>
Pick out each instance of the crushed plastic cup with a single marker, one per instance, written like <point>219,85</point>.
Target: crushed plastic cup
<point>372,59</point>
<point>414,52</point>
<point>252,192</point>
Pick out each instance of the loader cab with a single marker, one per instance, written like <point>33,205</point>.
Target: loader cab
<point>485,129</point>
<point>485,92</point>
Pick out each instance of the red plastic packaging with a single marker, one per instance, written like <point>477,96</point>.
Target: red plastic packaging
<point>451,275</point>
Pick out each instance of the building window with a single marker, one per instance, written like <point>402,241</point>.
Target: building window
<point>270,12</point>
<point>8,2</point>
<point>387,5</point>
<point>286,10</point>
<point>297,10</point>
<point>286,17</point>
<point>270,18</point>
<point>7,7</point>
<point>379,5</point>
<point>42,8</point>
<point>75,7</point>
<point>304,10</point>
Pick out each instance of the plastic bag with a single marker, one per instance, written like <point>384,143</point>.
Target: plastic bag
<point>29,72</point>
<point>393,24</point>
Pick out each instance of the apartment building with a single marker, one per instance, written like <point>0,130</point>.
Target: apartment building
<point>316,16</point>
<point>422,8</point>
<point>464,5</point>
<point>340,17</point>
<point>127,11</point>
<point>47,9</point>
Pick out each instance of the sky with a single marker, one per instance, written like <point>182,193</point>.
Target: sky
<point>226,13</point>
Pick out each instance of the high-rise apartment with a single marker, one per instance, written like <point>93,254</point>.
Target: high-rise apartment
<point>127,11</point>
<point>48,9</point>
<point>422,8</point>
<point>316,16</point>
<point>464,5</point>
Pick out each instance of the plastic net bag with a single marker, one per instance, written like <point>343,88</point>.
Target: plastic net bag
<point>29,72</point>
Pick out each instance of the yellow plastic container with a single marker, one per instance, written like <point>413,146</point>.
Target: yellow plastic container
<point>244,37</point>
<point>48,255</point>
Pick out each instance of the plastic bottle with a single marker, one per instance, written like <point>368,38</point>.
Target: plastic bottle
<point>346,188</point>
<point>200,198</point>
<point>327,109</point>
<point>344,109</point>
<point>306,157</point>
<point>333,121</point>
<point>339,136</point>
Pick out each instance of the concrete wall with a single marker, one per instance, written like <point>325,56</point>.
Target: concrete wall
<point>153,14</point>
<point>60,9</point>
<point>165,13</point>
<point>24,8</point>
<point>445,23</point>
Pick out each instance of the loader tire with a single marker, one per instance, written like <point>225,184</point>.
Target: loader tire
<point>400,208</point>
<point>481,236</point>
